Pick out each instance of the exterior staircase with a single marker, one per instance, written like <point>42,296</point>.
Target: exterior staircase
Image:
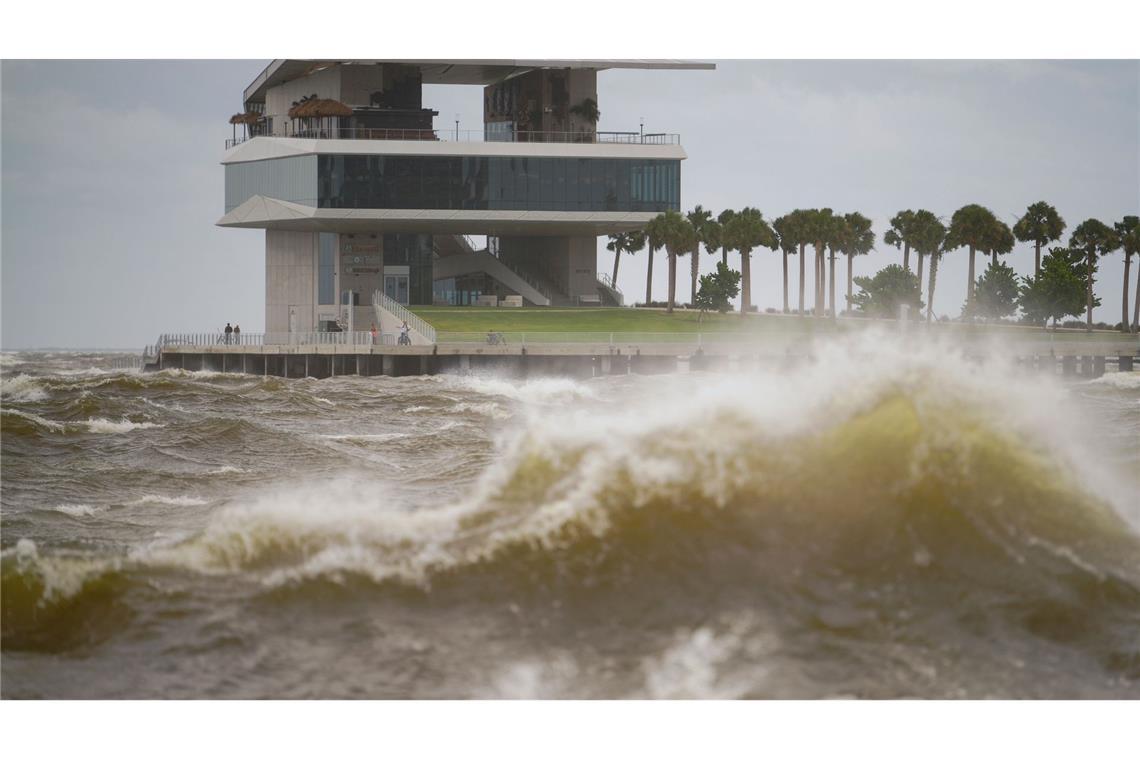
<point>482,261</point>
<point>608,290</point>
<point>391,312</point>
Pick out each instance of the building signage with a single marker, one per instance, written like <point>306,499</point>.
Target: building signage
<point>373,247</point>
<point>347,260</point>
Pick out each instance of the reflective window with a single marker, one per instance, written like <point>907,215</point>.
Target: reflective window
<point>510,183</point>
<point>289,179</point>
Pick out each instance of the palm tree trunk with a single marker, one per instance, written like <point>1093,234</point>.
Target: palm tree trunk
<point>672,281</point>
<point>1037,259</point>
<point>815,295</point>
<point>802,247</point>
<point>831,283</point>
<point>1124,303</point>
<point>930,288</point>
<point>970,288</point>
<point>1136,308</point>
<point>746,284</point>
<point>649,279</point>
<point>850,261</point>
<point>695,273</point>
<point>1088,290</point>
<point>919,254</point>
<point>724,254</point>
<point>617,260</point>
<point>906,256</point>
<point>993,258</point>
<point>831,276</point>
<point>821,295</point>
<point>785,282</point>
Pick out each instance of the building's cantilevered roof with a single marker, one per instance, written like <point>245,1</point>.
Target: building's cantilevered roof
<point>260,212</point>
<point>446,71</point>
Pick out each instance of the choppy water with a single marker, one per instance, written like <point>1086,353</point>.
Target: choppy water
<point>877,524</point>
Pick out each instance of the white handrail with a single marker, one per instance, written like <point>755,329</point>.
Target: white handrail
<point>397,309</point>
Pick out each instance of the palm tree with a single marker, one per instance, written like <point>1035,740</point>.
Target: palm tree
<point>1001,242</point>
<point>723,219</point>
<point>1128,231</point>
<point>926,235</point>
<point>747,230</point>
<point>653,236</point>
<point>923,222</point>
<point>624,242</point>
<point>1041,225</point>
<point>855,238</point>
<point>935,257</point>
<point>786,229</point>
<point>698,217</point>
<point>974,227</point>
<point>820,229</point>
<point>1094,237</point>
<point>899,234</point>
<point>679,237</point>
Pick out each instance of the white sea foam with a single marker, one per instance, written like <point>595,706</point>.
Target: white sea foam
<point>168,501</point>
<point>22,389</point>
<point>226,469</point>
<point>76,510</point>
<point>57,427</point>
<point>324,400</point>
<point>1129,381</point>
<point>544,391</point>
<point>364,437</point>
<point>101,425</point>
<point>486,409</point>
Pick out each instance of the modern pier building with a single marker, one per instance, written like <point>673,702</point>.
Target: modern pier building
<point>360,194</point>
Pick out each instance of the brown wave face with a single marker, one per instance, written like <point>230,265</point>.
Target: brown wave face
<point>908,541</point>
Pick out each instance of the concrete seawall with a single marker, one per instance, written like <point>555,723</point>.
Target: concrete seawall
<point>583,360</point>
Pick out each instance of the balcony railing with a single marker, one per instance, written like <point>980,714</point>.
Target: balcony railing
<point>470,135</point>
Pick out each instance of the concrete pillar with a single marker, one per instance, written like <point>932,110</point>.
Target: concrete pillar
<point>1086,366</point>
<point>1098,366</point>
<point>1068,365</point>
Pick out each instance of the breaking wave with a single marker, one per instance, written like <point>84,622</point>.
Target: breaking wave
<point>878,492</point>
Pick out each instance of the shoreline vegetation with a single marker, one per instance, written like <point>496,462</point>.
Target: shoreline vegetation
<point>1062,284</point>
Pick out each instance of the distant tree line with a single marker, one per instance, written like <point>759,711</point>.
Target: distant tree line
<point>1062,283</point>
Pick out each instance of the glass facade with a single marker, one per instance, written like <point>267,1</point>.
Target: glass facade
<point>415,252</point>
<point>288,179</point>
<point>498,183</point>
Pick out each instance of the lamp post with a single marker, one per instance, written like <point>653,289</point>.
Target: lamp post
<point>456,127</point>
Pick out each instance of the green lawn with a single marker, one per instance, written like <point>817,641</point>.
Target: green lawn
<point>475,319</point>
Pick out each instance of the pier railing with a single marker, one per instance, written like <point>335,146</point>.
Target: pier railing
<point>357,338</point>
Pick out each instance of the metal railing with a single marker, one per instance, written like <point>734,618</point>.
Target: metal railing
<point>357,338</point>
<point>468,135</point>
<point>613,339</point>
<point>401,312</point>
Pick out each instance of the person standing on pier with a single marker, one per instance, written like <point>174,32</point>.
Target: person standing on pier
<point>229,333</point>
<point>373,331</point>
<point>237,334</point>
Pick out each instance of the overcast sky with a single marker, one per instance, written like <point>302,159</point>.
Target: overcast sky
<point>111,181</point>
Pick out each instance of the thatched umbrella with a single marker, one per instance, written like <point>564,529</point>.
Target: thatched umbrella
<point>246,120</point>
<point>319,109</point>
